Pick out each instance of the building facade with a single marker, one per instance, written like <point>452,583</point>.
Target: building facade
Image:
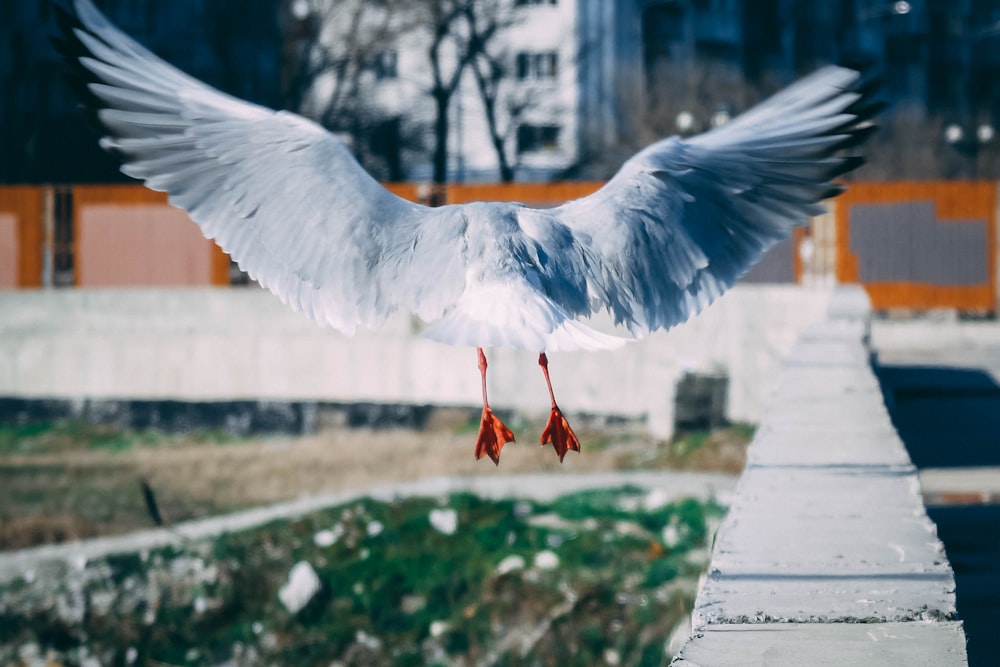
<point>232,44</point>
<point>579,84</point>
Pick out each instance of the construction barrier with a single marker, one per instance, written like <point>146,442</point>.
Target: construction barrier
<point>920,245</point>
<point>915,245</point>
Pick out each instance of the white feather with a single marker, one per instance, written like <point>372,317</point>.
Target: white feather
<point>679,223</point>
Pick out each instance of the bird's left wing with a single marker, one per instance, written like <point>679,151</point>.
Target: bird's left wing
<point>282,196</point>
<point>683,219</point>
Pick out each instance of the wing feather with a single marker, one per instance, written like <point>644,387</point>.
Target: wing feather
<point>278,193</point>
<point>684,219</point>
<point>675,228</point>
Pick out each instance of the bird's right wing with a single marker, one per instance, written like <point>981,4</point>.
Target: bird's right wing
<point>683,219</point>
<point>277,192</point>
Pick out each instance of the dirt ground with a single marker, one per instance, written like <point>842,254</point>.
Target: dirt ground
<point>63,492</point>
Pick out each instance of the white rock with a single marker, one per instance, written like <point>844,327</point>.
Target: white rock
<point>444,520</point>
<point>546,560</point>
<point>302,585</point>
<point>368,641</point>
<point>655,499</point>
<point>375,528</point>
<point>510,563</point>
<point>328,537</point>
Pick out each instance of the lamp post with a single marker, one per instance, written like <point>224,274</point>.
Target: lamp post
<point>884,10</point>
<point>969,141</point>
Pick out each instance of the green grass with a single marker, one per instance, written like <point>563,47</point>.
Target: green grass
<point>65,435</point>
<point>402,595</point>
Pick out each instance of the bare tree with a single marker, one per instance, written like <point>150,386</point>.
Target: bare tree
<point>449,54</point>
<point>491,68</point>
<point>674,99</point>
<point>333,50</point>
<point>334,46</point>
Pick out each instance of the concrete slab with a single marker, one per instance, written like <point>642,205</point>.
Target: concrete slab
<point>827,522</point>
<point>827,382</point>
<point>827,645</point>
<point>827,556</point>
<point>837,445</point>
<point>961,486</point>
<point>828,352</point>
<point>243,344</point>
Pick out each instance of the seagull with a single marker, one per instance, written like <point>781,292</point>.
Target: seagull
<point>675,227</point>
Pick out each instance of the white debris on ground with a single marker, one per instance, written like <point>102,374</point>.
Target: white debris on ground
<point>510,564</point>
<point>444,520</point>
<point>546,560</point>
<point>328,537</point>
<point>302,585</point>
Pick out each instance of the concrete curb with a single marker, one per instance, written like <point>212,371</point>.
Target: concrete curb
<point>826,556</point>
<point>541,487</point>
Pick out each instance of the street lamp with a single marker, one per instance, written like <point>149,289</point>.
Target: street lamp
<point>684,121</point>
<point>300,9</point>
<point>884,10</point>
<point>968,142</point>
<point>720,117</point>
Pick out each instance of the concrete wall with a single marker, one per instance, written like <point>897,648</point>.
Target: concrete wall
<point>228,344</point>
<point>826,556</point>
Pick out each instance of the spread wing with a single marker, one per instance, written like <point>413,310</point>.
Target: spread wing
<point>683,219</point>
<point>679,223</point>
<point>277,192</point>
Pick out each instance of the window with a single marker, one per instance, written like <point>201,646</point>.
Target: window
<point>537,66</point>
<point>525,3</point>
<point>384,65</point>
<point>61,238</point>
<point>535,138</point>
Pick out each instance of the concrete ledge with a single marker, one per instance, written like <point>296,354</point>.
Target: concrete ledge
<point>827,645</point>
<point>212,345</point>
<point>826,556</point>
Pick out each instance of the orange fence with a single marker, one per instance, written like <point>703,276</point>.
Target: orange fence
<point>130,236</point>
<point>920,245</point>
<point>21,236</point>
<point>912,245</point>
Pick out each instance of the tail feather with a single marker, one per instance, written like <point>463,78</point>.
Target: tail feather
<point>506,316</point>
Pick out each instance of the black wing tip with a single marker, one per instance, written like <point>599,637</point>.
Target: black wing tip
<point>66,42</point>
<point>860,127</point>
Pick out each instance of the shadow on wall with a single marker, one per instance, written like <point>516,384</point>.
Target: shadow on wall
<point>950,417</point>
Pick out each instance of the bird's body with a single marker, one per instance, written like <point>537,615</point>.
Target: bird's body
<point>674,228</point>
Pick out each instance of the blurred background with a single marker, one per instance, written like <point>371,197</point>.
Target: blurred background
<point>528,90</point>
<point>145,380</point>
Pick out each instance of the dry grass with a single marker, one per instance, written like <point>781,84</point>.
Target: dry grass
<point>65,493</point>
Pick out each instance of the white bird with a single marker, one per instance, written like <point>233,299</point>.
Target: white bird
<point>674,228</point>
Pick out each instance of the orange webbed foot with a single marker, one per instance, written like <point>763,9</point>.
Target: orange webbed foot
<point>559,434</point>
<point>493,435</point>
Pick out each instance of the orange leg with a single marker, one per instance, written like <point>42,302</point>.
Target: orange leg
<point>557,431</point>
<point>493,434</point>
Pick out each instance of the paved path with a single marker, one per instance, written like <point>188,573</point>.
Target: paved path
<point>673,485</point>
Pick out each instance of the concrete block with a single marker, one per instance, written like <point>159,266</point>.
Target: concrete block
<point>826,645</point>
<point>826,556</point>
<point>243,344</point>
